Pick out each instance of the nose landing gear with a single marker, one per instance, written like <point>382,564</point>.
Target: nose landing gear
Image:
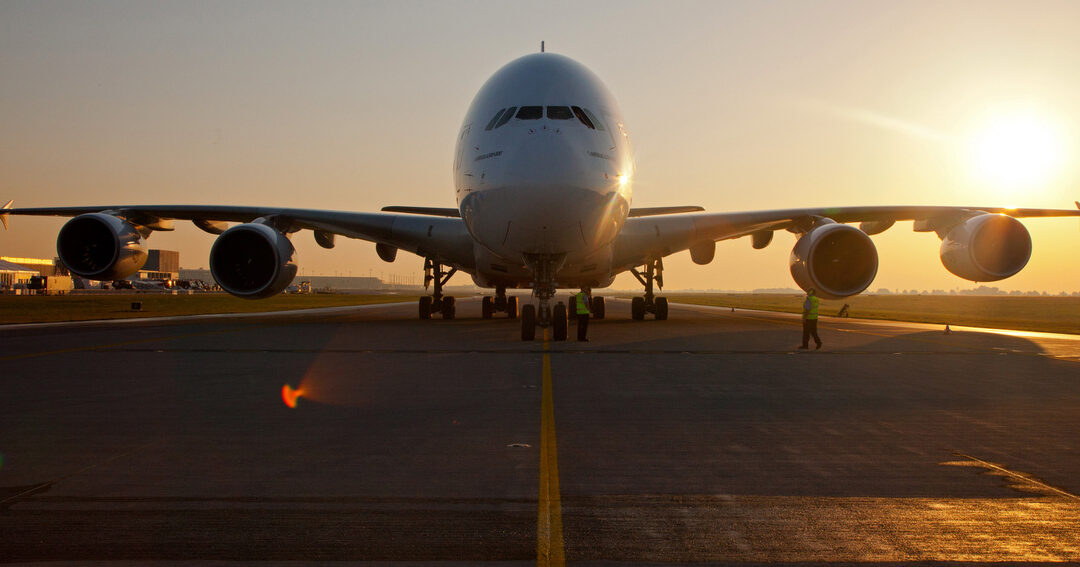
<point>437,302</point>
<point>544,268</point>
<point>658,306</point>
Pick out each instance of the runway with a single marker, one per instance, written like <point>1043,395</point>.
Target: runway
<point>704,438</point>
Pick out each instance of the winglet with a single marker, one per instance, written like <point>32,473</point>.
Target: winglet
<point>7,205</point>
<point>1077,204</point>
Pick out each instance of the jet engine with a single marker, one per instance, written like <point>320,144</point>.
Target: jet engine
<point>986,248</point>
<point>99,246</point>
<point>253,261</point>
<point>836,260</point>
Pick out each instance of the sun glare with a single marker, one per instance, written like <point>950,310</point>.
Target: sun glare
<point>1017,152</point>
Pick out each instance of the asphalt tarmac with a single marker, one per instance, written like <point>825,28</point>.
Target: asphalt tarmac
<point>704,438</point>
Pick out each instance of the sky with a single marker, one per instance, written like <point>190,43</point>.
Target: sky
<point>730,105</point>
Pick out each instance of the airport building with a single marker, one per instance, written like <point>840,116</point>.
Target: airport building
<point>160,265</point>
<point>41,266</point>
<point>12,274</point>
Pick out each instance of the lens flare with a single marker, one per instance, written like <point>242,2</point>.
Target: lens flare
<point>289,395</point>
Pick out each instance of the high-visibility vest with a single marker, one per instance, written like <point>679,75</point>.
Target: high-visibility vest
<point>811,306</point>
<point>581,303</point>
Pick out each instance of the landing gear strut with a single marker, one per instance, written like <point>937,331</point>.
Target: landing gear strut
<point>437,302</point>
<point>639,306</point>
<point>543,267</point>
<point>499,304</point>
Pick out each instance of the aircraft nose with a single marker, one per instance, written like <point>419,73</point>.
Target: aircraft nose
<point>569,195</point>
<point>550,159</point>
<point>562,195</point>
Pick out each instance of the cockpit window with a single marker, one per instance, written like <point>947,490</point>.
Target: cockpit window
<point>530,113</point>
<point>559,113</point>
<point>592,118</point>
<point>506,116</point>
<point>581,116</point>
<point>494,119</point>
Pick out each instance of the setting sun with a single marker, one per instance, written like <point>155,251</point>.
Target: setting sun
<point>1017,152</point>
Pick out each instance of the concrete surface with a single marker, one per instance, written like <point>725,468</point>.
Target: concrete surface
<point>705,438</point>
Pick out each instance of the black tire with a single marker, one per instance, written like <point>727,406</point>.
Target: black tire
<point>637,308</point>
<point>512,307</point>
<point>425,307</point>
<point>661,309</point>
<point>558,320</point>
<point>487,306</point>
<point>449,309</point>
<point>528,322</point>
<point>598,308</point>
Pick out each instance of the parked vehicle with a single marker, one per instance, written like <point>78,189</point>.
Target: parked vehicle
<point>50,285</point>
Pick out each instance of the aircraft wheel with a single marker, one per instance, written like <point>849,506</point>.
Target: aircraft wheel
<point>512,307</point>
<point>425,307</point>
<point>637,308</point>
<point>528,322</point>
<point>449,309</point>
<point>598,307</point>
<point>487,306</point>
<point>661,309</point>
<point>558,319</point>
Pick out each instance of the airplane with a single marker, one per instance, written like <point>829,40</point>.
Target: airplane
<point>543,171</point>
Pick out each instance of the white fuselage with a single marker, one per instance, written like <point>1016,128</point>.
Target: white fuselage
<point>543,168</point>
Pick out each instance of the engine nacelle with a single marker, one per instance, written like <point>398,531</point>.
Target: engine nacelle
<point>99,246</point>
<point>986,248</point>
<point>836,260</point>
<point>253,261</point>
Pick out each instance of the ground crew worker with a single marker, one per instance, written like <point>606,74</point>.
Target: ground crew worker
<point>809,319</point>
<point>581,309</point>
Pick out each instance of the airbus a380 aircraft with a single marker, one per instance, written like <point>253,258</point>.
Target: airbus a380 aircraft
<point>543,171</point>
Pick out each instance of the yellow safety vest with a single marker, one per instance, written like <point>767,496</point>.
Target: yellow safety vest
<point>581,303</point>
<point>811,307</point>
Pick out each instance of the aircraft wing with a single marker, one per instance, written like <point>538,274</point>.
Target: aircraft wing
<point>435,237</point>
<point>645,239</point>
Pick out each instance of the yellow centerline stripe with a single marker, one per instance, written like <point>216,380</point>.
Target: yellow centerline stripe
<point>549,534</point>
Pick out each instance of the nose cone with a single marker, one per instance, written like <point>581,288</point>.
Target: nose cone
<point>551,196</point>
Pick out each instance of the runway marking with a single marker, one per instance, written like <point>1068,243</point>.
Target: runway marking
<point>1019,476</point>
<point>45,486</point>
<point>549,534</point>
<point>112,345</point>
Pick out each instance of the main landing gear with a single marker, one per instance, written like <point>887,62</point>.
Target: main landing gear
<point>639,306</point>
<point>437,302</point>
<point>499,304</point>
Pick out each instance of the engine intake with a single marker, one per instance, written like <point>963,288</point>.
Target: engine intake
<point>836,260</point>
<point>253,261</point>
<point>99,246</point>
<point>986,248</point>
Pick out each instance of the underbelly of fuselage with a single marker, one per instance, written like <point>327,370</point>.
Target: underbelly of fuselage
<point>573,226</point>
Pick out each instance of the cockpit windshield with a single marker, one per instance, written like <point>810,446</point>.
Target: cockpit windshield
<point>583,115</point>
<point>559,113</point>
<point>494,119</point>
<point>530,113</point>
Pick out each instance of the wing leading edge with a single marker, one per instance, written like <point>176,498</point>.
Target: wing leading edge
<point>650,238</point>
<point>446,239</point>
